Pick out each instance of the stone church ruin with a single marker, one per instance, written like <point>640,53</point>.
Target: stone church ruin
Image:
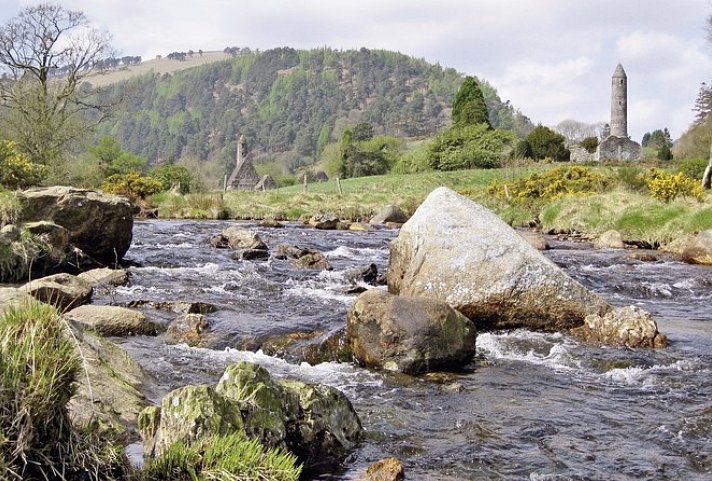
<point>244,176</point>
<point>615,143</point>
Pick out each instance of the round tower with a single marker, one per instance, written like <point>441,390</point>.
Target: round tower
<point>619,103</point>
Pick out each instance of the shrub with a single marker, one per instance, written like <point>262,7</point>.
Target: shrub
<point>590,144</point>
<point>551,184</point>
<point>666,187</point>
<point>38,370</point>
<point>694,167</point>
<point>16,169</point>
<point>632,178</point>
<point>544,142</point>
<point>133,186</point>
<point>222,458</point>
<point>468,147</point>
<point>172,174</point>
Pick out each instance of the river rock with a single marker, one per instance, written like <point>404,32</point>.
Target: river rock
<point>535,239</point>
<point>250,255</point>
<point>611,239</point>
<point>386,469</point>
<point>98,224</point>
<point>241,238</point>
<point>326,426</point>
<point>105,277</point>
<point>326,221</point>
<point>459,252</point>
<point>303,257</point>
<point>175,307</point>
<point>261,400</point>
<point>359,227</point>
<point>627,326</point>
<point>63,291</point>
<point>408,334</point>
<point>192,329</point>
<point>390,213</point>
<point>693,249</point>
<point>113,320</point>
<point>187,414</point>
<point>11,297</point>
<point>315,422</point>
<point>270,223</point>
<point>110,388</point>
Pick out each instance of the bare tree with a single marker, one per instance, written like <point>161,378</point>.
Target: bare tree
<point>47,51</point>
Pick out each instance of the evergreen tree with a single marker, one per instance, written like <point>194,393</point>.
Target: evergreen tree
<point>468,107</point>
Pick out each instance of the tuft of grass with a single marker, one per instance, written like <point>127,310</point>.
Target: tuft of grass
<point>10,207</point>
<point>38,370</point>
<point>229,457</point>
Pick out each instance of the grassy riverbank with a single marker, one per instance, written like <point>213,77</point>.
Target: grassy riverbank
<point>619,203</point>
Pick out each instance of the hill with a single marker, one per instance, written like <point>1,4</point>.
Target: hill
<point>283,100</point>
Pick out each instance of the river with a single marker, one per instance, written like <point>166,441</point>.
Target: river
<point>536,406</point>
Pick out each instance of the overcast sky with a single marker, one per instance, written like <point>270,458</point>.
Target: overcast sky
<point>553,59</point>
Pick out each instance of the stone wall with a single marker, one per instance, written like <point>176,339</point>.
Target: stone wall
<point>618,148</point>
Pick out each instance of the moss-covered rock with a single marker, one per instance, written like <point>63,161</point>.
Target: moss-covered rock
<point>260,400</point>
<point>187,414</point>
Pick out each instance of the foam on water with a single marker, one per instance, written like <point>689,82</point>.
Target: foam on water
<point>356,253</point>
<point>550,350</point>
<point>648,376</point>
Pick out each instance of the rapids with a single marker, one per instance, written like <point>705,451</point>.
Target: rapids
<point>537,406</point>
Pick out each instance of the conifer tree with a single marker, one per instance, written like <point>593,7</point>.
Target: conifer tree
<point>468,107</point>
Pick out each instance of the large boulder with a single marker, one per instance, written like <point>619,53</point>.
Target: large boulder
<point>113,320</point>
<point>98,224</point>
<point>611,239</point>
<point>12,298</point>
<point>408,334</point>
<point>192,329</point>
<point>390,213</point>
<point>459,252</point>
<point>325,221</point>
<point>63,291</point>
<point>628,326</point>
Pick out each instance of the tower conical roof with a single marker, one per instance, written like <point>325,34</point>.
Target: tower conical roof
<point>619,72</point>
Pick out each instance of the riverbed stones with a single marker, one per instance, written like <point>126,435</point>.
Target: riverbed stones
<point>627,326</point>
<point>241,238</point>
<point>63,291</point>
<point>457,251</point>
<point>535,239</point>
<point>390,213</point>
<point>386,469</point>
<point>315,422</point>
<point>98,224</point>
<point>611,239</point>
<point>113,321</point>
<point>325,221</point>
<point>695,249</point>
<point>192,329</point>
<point>303,257</point>
<point>408,334</point>
<point>105,277</point>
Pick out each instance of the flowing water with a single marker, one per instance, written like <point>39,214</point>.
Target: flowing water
<point>537,406</point>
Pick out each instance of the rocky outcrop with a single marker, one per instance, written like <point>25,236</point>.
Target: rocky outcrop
<point>315,422</point>
<point>240,238</point>
<point>63,291</point>
<point>113,321</point>
<point>408,334</point>
<point>693,249</point>
<point>98,224</point>
<point>390,213</point>
<point>628,326</point>
<point>303,257</point>
<point>459,252</point>
<point>611,239</point>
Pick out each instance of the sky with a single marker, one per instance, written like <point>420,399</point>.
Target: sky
<point>553,59</point>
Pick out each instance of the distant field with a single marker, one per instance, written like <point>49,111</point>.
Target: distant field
<point>159,66</point>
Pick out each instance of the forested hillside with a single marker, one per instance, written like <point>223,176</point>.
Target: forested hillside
<point>288,100</point>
